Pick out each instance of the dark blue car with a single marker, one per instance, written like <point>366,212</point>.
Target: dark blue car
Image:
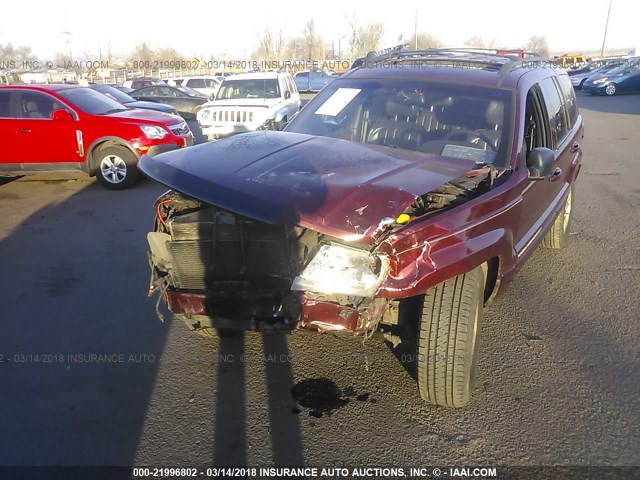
<point>125,99</point>
<point>625,79</point>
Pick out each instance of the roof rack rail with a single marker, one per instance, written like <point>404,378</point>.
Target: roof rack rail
<point>478,56</point>
<point>537,61</point>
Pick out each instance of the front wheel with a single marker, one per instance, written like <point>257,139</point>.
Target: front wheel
<point>610,89</point>
<point>116,168</point>
<point>448,332</point>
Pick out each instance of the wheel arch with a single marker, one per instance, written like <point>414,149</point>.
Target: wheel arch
<point>104,142</point>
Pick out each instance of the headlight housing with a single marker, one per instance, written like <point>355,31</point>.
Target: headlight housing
<point>337,269</point>
<point>600,80</point>
<point>154,132</point>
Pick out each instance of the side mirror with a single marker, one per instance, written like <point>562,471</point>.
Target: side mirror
<point>287,95</point>
<point>540,163</point>
<point>62,115</point>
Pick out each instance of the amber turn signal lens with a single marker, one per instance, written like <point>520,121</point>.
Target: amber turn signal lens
<point>403,218</point>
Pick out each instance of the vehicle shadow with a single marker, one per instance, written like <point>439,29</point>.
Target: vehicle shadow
<point>623,104</point>
<point>80,345</point>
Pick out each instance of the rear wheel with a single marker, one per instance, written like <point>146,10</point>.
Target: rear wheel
<point>557,235</point>
<point>116,167</point>
<point>447,346</point>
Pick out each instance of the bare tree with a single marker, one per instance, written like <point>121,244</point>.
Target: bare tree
<point>365,39</point>
<point>313,42</point>
<point>271,47</point>
<point>475,41</point>
<point>479,42</point>
<point>296,48</point>
<point>142,53</point>
<point>169,55</point>
<point>20,53</point>
<point>61,60</point>
<point>537,44</point>
<point>425,41</point>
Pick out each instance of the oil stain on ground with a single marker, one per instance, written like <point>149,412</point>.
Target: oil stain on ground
<point>322,396</point>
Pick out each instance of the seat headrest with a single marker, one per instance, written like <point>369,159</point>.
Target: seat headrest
<point>31,106</point>
<point>495,112</point>
<point>393,109</point>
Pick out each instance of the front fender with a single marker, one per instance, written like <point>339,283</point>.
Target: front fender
<point>425,265</point>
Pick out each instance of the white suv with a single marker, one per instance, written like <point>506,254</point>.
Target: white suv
<point>206,84</point>
<point>248,102</point>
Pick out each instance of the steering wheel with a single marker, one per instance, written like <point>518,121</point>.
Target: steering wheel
<point>466,131</point>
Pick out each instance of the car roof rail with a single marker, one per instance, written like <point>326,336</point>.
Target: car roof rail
<point>535,62</point>
<point>503,63</point>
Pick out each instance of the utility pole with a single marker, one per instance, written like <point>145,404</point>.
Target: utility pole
<point>606,27</point>
<point>68,45</point>
<point>415,30</point>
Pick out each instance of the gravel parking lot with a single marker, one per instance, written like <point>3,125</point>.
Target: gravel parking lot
<point>90,376</point>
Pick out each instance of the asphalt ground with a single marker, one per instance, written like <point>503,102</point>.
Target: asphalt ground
<point>90,376</point>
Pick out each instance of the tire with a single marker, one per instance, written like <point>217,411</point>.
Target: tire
<point>557,235</point>
<point>610,89</point>
<point>581,84</point>
<point>448,332</point>
<point>116,167</point>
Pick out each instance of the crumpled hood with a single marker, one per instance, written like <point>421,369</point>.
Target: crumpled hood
<point>244,102</point>
<point>337,187</point>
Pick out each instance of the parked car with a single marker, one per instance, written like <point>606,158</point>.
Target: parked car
<point>205,84</point>
<point>131,102</point>
<point>579,79</point>
<point>571,61</point>
<point>595,64</point>
<point>399,199</point>
<point>313,80</point>
<point>53,127</point>
<point>186,101</point>
<point>248,102</point>
<point>136,83</point>
<point>624,79</point>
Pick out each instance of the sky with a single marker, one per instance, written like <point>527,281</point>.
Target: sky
<point>232,29</point>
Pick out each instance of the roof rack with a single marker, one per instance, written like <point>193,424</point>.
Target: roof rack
<point>479,56</point>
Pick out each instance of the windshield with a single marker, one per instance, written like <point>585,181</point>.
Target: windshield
<point>454,120</point>
<point>249,88</point>
<point>90,101</point>
<point>113,93</point>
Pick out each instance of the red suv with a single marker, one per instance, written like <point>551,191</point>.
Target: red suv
<point>48,128</point>
<point>402,198</point>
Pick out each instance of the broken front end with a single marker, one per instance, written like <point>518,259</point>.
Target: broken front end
<point>217,269</point>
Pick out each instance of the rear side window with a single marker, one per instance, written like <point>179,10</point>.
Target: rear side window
<point>555,109</point>
<point>569,99</point>
<point>196,83</point>
<point>5,104</point>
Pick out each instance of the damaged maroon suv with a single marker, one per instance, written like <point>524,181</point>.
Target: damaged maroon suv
<point>401,199</point>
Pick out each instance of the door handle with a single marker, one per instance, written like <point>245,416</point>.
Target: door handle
<point>575,147</point>
<point>23,130</point>
<point>555,175</point>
